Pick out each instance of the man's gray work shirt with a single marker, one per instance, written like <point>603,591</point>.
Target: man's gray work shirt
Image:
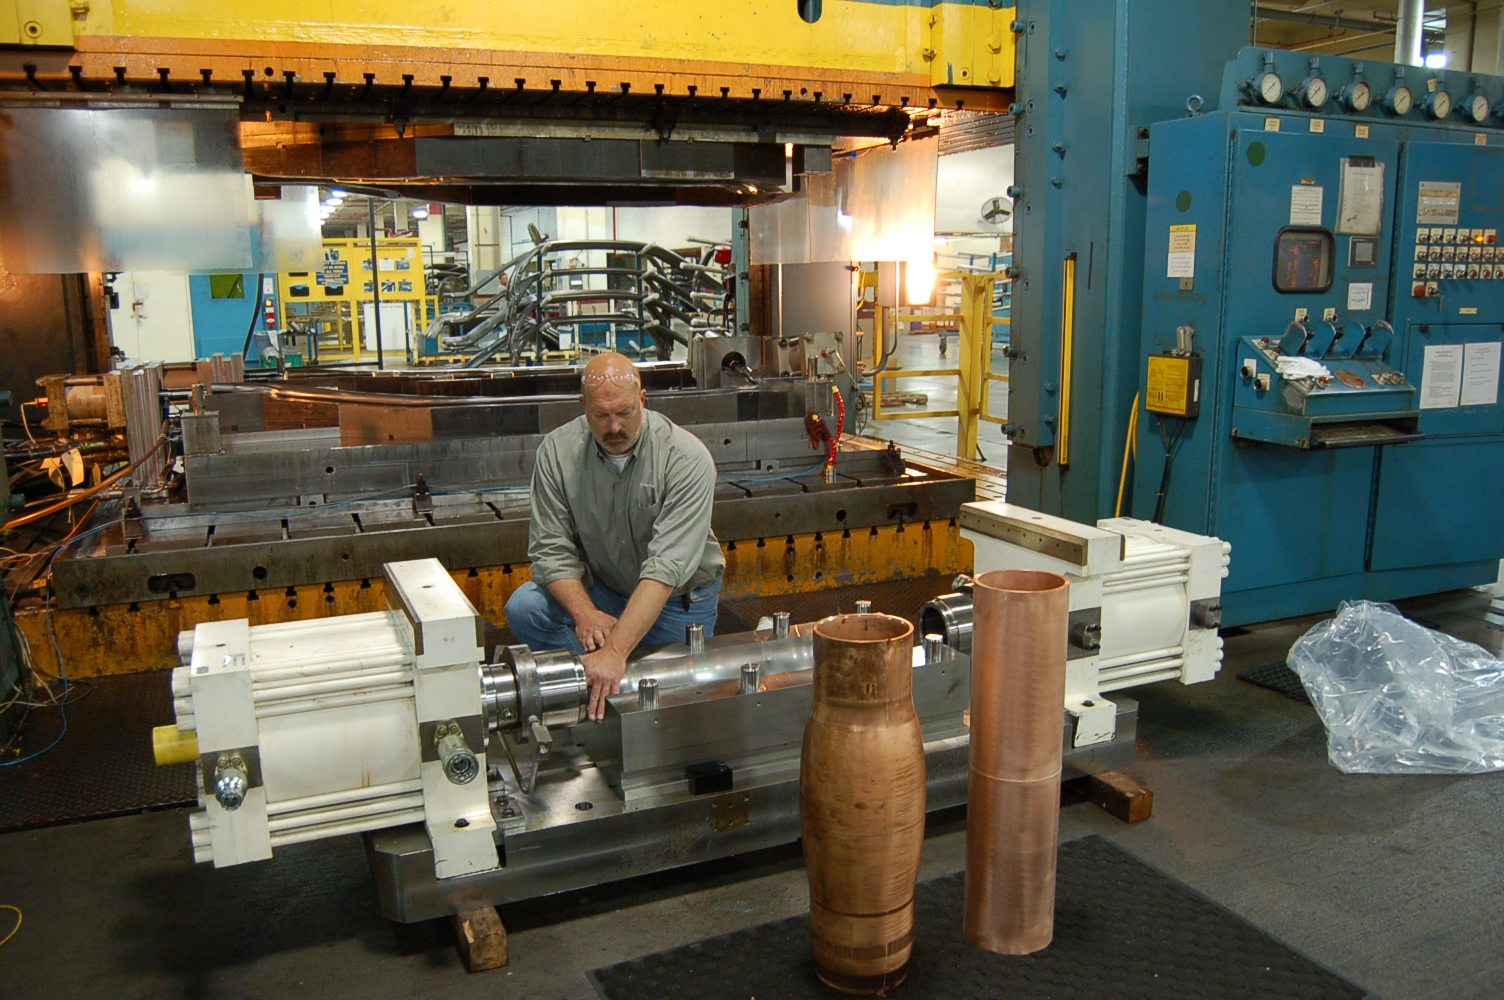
<point>649,521</point>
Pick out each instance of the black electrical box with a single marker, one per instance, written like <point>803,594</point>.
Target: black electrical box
<point>708,778</point>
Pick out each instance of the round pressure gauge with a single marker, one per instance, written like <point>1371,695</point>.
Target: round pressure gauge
<point>1438,104</point>
<point>1475,109</point>
<point>1270,87</point>
<point>1399,99</point>
<point>1357,96</point>
<point>1314,92</point>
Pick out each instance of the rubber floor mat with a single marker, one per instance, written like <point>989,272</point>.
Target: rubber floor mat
<point>1122,929</point>
<point>1277,677</point>
<point>103,765</point>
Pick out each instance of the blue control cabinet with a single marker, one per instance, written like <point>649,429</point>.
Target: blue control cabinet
<point>1338,272</point>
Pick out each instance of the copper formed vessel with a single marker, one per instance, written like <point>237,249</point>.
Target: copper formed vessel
<point>861,802</point>
<point>1013,800</point>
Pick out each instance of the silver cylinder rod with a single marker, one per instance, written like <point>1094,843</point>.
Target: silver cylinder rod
<point>949,616</point>
<point>751,677</point>
<point>720,663</point>
<point>780,624</point>
<point>551,685</point>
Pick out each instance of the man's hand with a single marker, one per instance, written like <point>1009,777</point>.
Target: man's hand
<point>604,669</point>
<point>593,627</point>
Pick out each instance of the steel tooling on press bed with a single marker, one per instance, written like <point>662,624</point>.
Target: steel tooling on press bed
<point>275,511</point>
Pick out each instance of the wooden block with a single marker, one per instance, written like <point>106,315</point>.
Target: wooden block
<point>481,939</point>
<point>1120,795</point>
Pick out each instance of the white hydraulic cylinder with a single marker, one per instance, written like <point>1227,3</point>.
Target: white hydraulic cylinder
<point>1145,600</point>
<point>321,728</point>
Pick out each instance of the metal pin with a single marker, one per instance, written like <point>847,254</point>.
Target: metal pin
<point>934,648</point>
<point>647,693</point>
<point>751,677</point>
<point>864,607</point>
<point>780,624</point>
<point>696,638</point>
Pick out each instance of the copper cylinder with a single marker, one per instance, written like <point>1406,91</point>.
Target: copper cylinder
<point>1013,801</point>
<point>861,802</point>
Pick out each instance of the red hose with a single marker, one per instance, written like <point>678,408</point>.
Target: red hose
<point>833,443</point>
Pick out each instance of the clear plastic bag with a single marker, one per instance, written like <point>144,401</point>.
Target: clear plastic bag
<point>1398,698</point>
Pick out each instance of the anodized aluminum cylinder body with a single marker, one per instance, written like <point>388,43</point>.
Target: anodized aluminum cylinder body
<point>1013,801</point>
<point>861,802</point>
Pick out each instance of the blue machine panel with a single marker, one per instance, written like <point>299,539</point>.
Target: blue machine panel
<point>1439,501</point>
<point>1286,250</point>
<point>1294,253</point>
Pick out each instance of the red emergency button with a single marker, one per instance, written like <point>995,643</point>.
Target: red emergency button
<point>1418,289</point>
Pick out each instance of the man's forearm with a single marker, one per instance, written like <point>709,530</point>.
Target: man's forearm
<point>642,610</point>
<point>572,597</point>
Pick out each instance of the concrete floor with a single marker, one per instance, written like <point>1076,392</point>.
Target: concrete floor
<point>1395,883</point>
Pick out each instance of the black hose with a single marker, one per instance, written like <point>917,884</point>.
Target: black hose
<point>1171,441</point>
<point>250,330</point>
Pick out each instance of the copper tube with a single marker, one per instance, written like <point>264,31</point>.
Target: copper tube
<point>1013,801</point>
<point>861,802</point>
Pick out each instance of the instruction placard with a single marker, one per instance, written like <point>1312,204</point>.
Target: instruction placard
<point>1361,205</point>
<point>1441,382</point>
<point>1305,204</point>
<point>334,275</point>
<point>1182,261</point>
<point>1480,374</point>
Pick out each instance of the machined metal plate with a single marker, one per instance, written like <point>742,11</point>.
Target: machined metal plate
<point>253,473</point>
<point>1032,532</point>
<point>205,553</point>
<point>729,727</point>
<point>579,832</point>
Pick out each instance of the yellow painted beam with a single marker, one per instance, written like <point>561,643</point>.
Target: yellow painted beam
<point>849,35</point>
<point>36,22</point>
<point>972,45</point>
<point>859,50</point>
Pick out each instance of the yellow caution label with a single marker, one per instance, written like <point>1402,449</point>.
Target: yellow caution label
<point>1168,389</point>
